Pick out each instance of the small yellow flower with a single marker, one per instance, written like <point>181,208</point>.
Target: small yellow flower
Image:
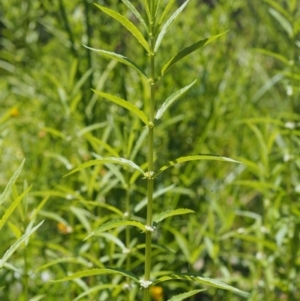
<point>14,112</point>
<point>156,293</point>
<point>64,229</point>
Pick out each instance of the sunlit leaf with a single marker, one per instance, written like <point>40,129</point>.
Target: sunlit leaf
<point>186,51</point>
<point>136,13</point>
<point>274,55</point>
<point>94,272</point>
<point>183,296</point>
<point>11,183</point>
<point>170,213</point>
<point>12,207</point>
<point>196,158</point>
<point>168,24</point>
<point>114,160</point>
<point>115,224</point>
<point>118,57</point>
<point>17,244</point>
<point>126,23</point>
<point>166,10</point>
<point>202,280</point>
<point>170,100</point>
<point>124,104</point>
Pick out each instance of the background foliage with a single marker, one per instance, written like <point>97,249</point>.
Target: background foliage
<point>245,105</point>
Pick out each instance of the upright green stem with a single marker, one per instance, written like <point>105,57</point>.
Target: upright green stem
<point>150,162</point>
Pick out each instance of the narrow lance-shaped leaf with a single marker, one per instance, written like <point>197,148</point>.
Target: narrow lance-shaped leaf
<point>114,160</point>
<point>12,207</point>
<point>273,54</point>
<point>286,25</point>
<point>170,213</point>
<point>196,158</point>
<point>166,10</point>
<point>126,23</point>
<point>115,224</point>
<point>136,13</point>
<point>125,104</point>
<point>168,25</point>
<point>17,244</point>
<point>11,183</point>
<point>94,272</point>
<point>186,51</point>
<point>202,280</point>
<point>118,57</point>
<point>185,295</point>
<point>171,100</point>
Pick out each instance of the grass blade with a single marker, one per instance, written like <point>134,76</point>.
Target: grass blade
<point>95,272</point>
<point>17,244</point>
<point>188,50</point>
<point>196,158</point>
<point>171,100</point>
<point>118,57</point>
<point>185,295</point>
<point>127,24</point>
<point>125,104</point>
<point>168,25</point>
<point>114,160</point>
<point>11,183</point>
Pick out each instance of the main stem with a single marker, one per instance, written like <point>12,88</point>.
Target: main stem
<point>150,164</point>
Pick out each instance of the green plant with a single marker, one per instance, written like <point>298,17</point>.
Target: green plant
<point>150,116</point>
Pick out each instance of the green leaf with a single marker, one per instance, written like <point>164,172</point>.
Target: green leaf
<point>114,160</point>
<point>168,25</point>
<point>136,13</point>
<point>286,25</point>
<point>125,104</point>
<point>11,183</point>
<point>166,10</point>
<point>185,295</point>
<point>95,289</point>
<point>202,280</point>
<point>12,207</point>
<point>126,23</point>
<point>115,224</point>
<point>94,272</point>
<point>118,57</point>
<point>171,100</point>
<point>17,244</point>
<point>170,213</point>
<point>273,54</point>
<point>196,158</point>
<point>279,8</point>
<point>186,51</point>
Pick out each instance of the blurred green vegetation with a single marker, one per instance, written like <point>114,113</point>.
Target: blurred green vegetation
<point>245,105</point>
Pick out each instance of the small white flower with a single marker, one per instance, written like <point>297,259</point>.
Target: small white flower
<point>290,125</point>
<point>145,284</point>
<point>240,230</point>
<point>149,228</point>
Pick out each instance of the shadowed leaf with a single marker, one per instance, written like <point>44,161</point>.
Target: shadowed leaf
<point>186,51</point>
<point>185,295</point>
<point>202,280</point>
